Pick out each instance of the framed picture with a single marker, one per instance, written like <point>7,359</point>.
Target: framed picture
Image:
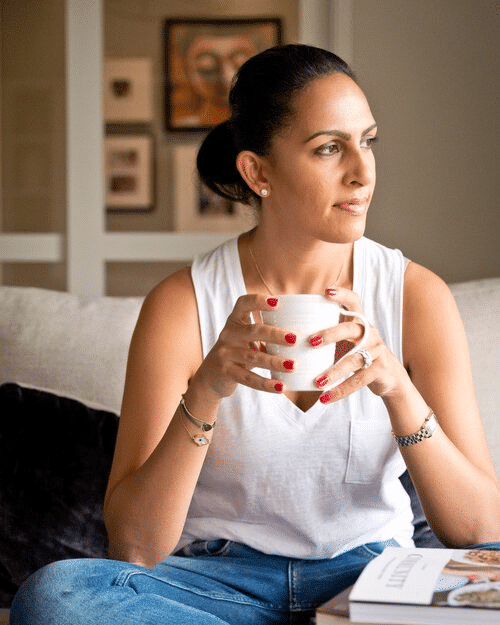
<point>128,90</point>
<point>197,208</point>
<point>201,58</point>
<point>128,162</point>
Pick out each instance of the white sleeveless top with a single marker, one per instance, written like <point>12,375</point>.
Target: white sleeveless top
<point>301,484</point>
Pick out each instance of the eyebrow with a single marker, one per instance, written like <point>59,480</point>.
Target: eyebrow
<point>338,133</point>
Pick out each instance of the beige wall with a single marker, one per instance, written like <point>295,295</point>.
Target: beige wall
<point>430,69</point>
<point>33,129</point>
<point>132,28</point>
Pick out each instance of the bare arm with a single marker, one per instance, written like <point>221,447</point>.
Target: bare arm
<point>154,473</point>
<point>156,464</point>
<point>452,471</point>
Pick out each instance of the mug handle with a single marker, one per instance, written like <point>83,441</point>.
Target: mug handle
<point>364,338</point>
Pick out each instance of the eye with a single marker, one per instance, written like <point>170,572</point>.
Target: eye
<point>369,142</point>
<point>327,149</point>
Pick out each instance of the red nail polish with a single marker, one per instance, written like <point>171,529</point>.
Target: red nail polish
<point>316,340</point>
<point>322,381</point>
<point>331,292</point>
<point>272,301</point>
<point>290,338</point>
<point>278,387</point>
<point>288,364</point>
<point>324,399</point>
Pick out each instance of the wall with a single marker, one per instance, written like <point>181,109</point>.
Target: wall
<point>431,71</point>
<point>33,130</point>
<point>136,29</point>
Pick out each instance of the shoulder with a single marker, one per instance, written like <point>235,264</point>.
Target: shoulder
<point>168,321</point>
<point>171,298</point>
<point>424,289</point>
<point>431,320</point>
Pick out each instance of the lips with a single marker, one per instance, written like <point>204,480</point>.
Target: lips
<point>354,206</point>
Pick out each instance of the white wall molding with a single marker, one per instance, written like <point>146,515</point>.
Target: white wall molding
<point>169,246</point>
<point>87,246</point>
<point>36,248</point>
<point>84,152</point>
<point>328,24</point>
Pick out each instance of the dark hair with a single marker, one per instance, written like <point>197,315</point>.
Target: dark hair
<point>261,103</point>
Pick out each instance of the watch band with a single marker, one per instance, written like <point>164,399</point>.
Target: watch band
<point>426,431</point>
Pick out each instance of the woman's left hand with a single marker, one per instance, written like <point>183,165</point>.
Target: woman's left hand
<point>383,376</point>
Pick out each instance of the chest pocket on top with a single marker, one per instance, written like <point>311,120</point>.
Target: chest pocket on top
<point>373,453</point>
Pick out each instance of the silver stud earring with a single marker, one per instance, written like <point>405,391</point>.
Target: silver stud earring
<point>264,192</point>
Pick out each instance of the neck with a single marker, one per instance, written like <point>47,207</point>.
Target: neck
<point>279,267</point>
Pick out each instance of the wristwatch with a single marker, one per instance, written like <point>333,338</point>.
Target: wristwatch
<point>426,431</point>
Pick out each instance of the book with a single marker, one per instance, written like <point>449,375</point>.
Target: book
<point>423,586</point>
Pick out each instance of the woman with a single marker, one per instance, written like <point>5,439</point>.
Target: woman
<point>273,501</point>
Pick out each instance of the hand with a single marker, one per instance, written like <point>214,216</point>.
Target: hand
<point>382,377</point>
<point>240,347</point>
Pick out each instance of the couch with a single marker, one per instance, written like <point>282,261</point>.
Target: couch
<point>62,366</point>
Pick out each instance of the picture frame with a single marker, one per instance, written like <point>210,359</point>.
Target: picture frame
<point>128,94</point>
<point>201,57</point>
<point>128,165</point>
<point>197,208</point>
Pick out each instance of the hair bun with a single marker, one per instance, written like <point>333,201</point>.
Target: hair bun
<point>216,163</point>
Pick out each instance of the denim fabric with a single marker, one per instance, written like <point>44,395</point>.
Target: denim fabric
<point>213,582</point>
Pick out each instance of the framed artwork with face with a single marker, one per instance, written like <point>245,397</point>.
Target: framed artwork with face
<point>201,58</point>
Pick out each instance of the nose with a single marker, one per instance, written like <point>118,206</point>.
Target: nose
<point>359,167</point>
<point>226,73</point>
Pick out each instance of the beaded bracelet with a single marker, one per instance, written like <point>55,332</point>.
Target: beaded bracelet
<point>426,431</point>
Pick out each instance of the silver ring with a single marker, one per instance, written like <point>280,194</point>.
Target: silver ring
<point>367,358</point>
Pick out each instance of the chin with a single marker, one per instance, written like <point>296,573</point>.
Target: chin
<point>346,235</point>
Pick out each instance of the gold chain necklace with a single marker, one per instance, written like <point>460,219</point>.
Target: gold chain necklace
<point>262,277</point>
<point>258,269</point>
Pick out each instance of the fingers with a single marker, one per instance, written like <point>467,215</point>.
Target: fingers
<point>351,331</point>
<point>344,297</point>
<point>354,383</point>
<point>241,347</point>
<point>245,376</point>
<point>378,369</point>
<point>246,305</point>
<point>355,369</point>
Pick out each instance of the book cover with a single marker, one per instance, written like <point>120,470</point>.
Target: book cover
<point>428,587</point>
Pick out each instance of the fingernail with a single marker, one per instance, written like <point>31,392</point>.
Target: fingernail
<point>324,399</point>
<point>278,387</point>
<point>288,364</point>
<point>290,338</point>
<point>331,292</point>
<point>272,301</point>
<point>316,340</point>
<point>322,381</point>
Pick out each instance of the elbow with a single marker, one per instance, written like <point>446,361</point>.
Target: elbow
<point>481,532</point>
<point>135,554</point>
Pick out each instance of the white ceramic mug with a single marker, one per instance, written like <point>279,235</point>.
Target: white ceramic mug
<point>307,315</point>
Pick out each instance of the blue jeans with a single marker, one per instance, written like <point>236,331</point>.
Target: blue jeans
<point>216,582</point>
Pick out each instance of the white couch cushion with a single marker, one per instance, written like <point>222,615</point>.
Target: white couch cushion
<point>69,345</point>
<point>479,305</point>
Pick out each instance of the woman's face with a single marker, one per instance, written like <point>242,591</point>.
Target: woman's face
<point>212,62</point>
<point>321,168</point>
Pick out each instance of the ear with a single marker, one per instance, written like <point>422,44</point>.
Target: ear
<point>251,168</point>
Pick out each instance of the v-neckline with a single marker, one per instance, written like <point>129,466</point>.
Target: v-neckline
<point>286,405</point>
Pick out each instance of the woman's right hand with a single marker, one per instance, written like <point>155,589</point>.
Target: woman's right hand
<point>241,347</point>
